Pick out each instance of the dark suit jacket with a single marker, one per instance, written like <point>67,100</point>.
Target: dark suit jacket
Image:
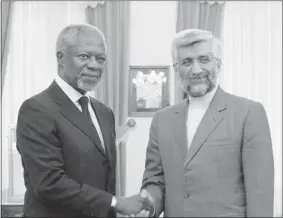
<point>228,169</point>
<point>66,172</point>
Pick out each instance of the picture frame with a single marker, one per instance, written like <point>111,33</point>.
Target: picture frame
<point>148,89</point>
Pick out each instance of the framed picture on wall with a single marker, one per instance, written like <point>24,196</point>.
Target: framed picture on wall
<point>148,89</point>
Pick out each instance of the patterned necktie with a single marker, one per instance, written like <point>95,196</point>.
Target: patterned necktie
<point>83,101</point>
<point>84,104</point>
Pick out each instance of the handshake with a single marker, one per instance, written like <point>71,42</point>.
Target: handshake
<point>140,205</point>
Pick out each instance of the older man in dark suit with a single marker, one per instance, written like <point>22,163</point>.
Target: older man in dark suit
<point>67,139</point>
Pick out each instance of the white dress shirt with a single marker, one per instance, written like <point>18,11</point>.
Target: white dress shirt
<point>74,96</point>
<point>196,110</point>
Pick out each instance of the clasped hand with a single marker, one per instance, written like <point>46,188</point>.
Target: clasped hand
<point>137,205</point>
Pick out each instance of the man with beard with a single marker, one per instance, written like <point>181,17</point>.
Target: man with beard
<point>67,139</point>
<point>210,155</point>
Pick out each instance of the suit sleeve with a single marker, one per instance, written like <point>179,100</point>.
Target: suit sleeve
<point>153,178</point>
<point>43,161</point>
<point>258,165</point>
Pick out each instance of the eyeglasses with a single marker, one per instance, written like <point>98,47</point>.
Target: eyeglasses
<point>202,60</point>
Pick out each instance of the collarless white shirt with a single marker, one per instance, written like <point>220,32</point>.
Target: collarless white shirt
<point>74,96</point>
<point>196,110</point>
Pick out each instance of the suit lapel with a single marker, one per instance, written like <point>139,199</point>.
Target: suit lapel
<point>69,110</point>
<point>210,121</point>
<point>179,127</point>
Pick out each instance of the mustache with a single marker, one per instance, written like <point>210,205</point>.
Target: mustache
<point>91,74</point>
<point>199,76</point>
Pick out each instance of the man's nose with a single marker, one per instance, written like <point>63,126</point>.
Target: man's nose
<point>93,64</point>
<point>196,69</point>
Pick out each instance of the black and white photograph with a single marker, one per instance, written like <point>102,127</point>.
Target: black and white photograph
<point>121,108</point>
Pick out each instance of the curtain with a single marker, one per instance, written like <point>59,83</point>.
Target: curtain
<point>252,66</point>
<point>31,63</point>
<point>112,18</point>
<point>207,15</point>
<point>6,11</point>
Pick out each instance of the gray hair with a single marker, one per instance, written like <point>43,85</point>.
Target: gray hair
<point>70,34</point>
<point>189,37</point>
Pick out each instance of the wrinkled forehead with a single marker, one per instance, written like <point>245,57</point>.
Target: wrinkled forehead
<point>90,40</point>
<point>196,49</point>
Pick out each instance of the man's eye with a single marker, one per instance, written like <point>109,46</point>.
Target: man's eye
<point>83,56</point>
<point>204,59</point>
<point>187,61</point>
<point>100,59</point>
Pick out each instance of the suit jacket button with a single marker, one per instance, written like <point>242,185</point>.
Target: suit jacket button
<point>107,166</point>
<point>105,163</point>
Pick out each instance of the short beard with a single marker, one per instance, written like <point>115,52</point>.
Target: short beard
<point>200,89</point>
<point>87,85</point>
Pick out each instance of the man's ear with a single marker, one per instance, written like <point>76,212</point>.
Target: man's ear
<point>60,56</point>
<point>175,68</point>
<point>219,63</point>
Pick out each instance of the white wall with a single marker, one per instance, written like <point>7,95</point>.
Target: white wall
<point>152,29</point>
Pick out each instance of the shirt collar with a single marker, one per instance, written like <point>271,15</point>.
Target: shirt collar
<point>73,94</point>
<point>203,100</point>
